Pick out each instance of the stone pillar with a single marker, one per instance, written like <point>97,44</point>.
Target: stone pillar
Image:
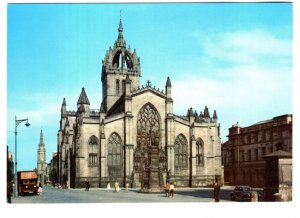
<point>193,155</point>
<point>128,128</point>
<point>129,160</point>
<point>170,142</point>
<point>278,177</point>
<point>102,153</point>
<point>68,169</point>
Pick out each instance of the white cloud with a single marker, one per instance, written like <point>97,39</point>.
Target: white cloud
<point>258,73</point>
<point>247,47</point>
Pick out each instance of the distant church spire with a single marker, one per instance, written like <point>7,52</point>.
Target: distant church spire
<point>41,159</point>
<point>41,139</point>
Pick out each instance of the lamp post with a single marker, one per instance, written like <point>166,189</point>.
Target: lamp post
<point>17,122</point>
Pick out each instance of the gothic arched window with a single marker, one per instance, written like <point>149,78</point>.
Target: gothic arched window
<point>181,152</point>
<point>114,155</point>
<point>148,127</point>
<point>93,151</point>
<point>199,152</point>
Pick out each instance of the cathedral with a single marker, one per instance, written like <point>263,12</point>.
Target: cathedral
<point>135,138</point>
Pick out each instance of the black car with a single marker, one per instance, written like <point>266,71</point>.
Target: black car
<point>241,193</point>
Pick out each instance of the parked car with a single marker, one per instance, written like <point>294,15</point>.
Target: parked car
<point>241,193</point>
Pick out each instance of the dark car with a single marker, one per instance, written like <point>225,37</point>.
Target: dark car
<point>241,193</point>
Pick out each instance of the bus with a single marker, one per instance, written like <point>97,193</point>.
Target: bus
<point>27,182</point>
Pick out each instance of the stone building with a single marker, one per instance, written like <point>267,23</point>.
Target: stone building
<point>114,143</point>
<point>53,171</point>
<point>41,160</point>
<point>244,153</point>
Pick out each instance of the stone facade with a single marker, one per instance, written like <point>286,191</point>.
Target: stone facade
<point>243,154</point>
<point>278,182</point>
<point>111,143</point>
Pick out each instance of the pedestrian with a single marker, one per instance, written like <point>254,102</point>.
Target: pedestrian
<point>172,190</point>
<point>108,187</point>
<point>167,189</point>
<point>40,189</point>
<point>87,185</point>
<point>127,186</point>
<point>216,191</point>
<point>117,188</point>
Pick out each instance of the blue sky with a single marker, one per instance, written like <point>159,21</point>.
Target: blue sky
<point>235,58</point>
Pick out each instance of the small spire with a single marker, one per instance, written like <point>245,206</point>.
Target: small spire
<point>206,112</point>
<point>83,99</point>
<point>120,29</point>
<point>41,137</point>
<point>168,84</point>
<point>64,102</point>
<point>190,112</point>
<point>215,116</point>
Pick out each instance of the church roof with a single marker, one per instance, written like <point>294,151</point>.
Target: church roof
<point>83,99</point>
<point>118,107</point>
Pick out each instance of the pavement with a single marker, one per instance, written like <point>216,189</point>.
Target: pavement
<point>102,195</point>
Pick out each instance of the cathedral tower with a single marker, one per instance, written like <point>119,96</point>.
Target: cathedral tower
<point>41,160</point>
<point>119,62</point>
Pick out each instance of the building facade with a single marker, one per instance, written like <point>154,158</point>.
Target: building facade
<point>41,160</point>
<point>112,143</point>
<point>243,155</point>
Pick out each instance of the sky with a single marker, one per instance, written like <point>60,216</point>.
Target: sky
<point>235,58</point>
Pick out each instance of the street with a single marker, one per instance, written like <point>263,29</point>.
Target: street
<point>99,195</point>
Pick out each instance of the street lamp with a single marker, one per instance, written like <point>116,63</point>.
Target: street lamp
<point>17,122</point>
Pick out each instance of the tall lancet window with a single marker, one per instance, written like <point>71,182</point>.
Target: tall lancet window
<point>181,152</point>
<point>199,152</point>
<point>93,151</point>
<point>118,87</point>
<point>114,156</point>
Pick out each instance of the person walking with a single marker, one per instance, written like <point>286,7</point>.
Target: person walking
<point>167,189</point>
<point>108,187</point>
<point>117,187</point>
<point>40,189</point>
<point>87,185</point>
<point>172,190</point>
<point>216,191</point>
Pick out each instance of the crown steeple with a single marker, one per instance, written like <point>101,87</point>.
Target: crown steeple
<point>120,42</point>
